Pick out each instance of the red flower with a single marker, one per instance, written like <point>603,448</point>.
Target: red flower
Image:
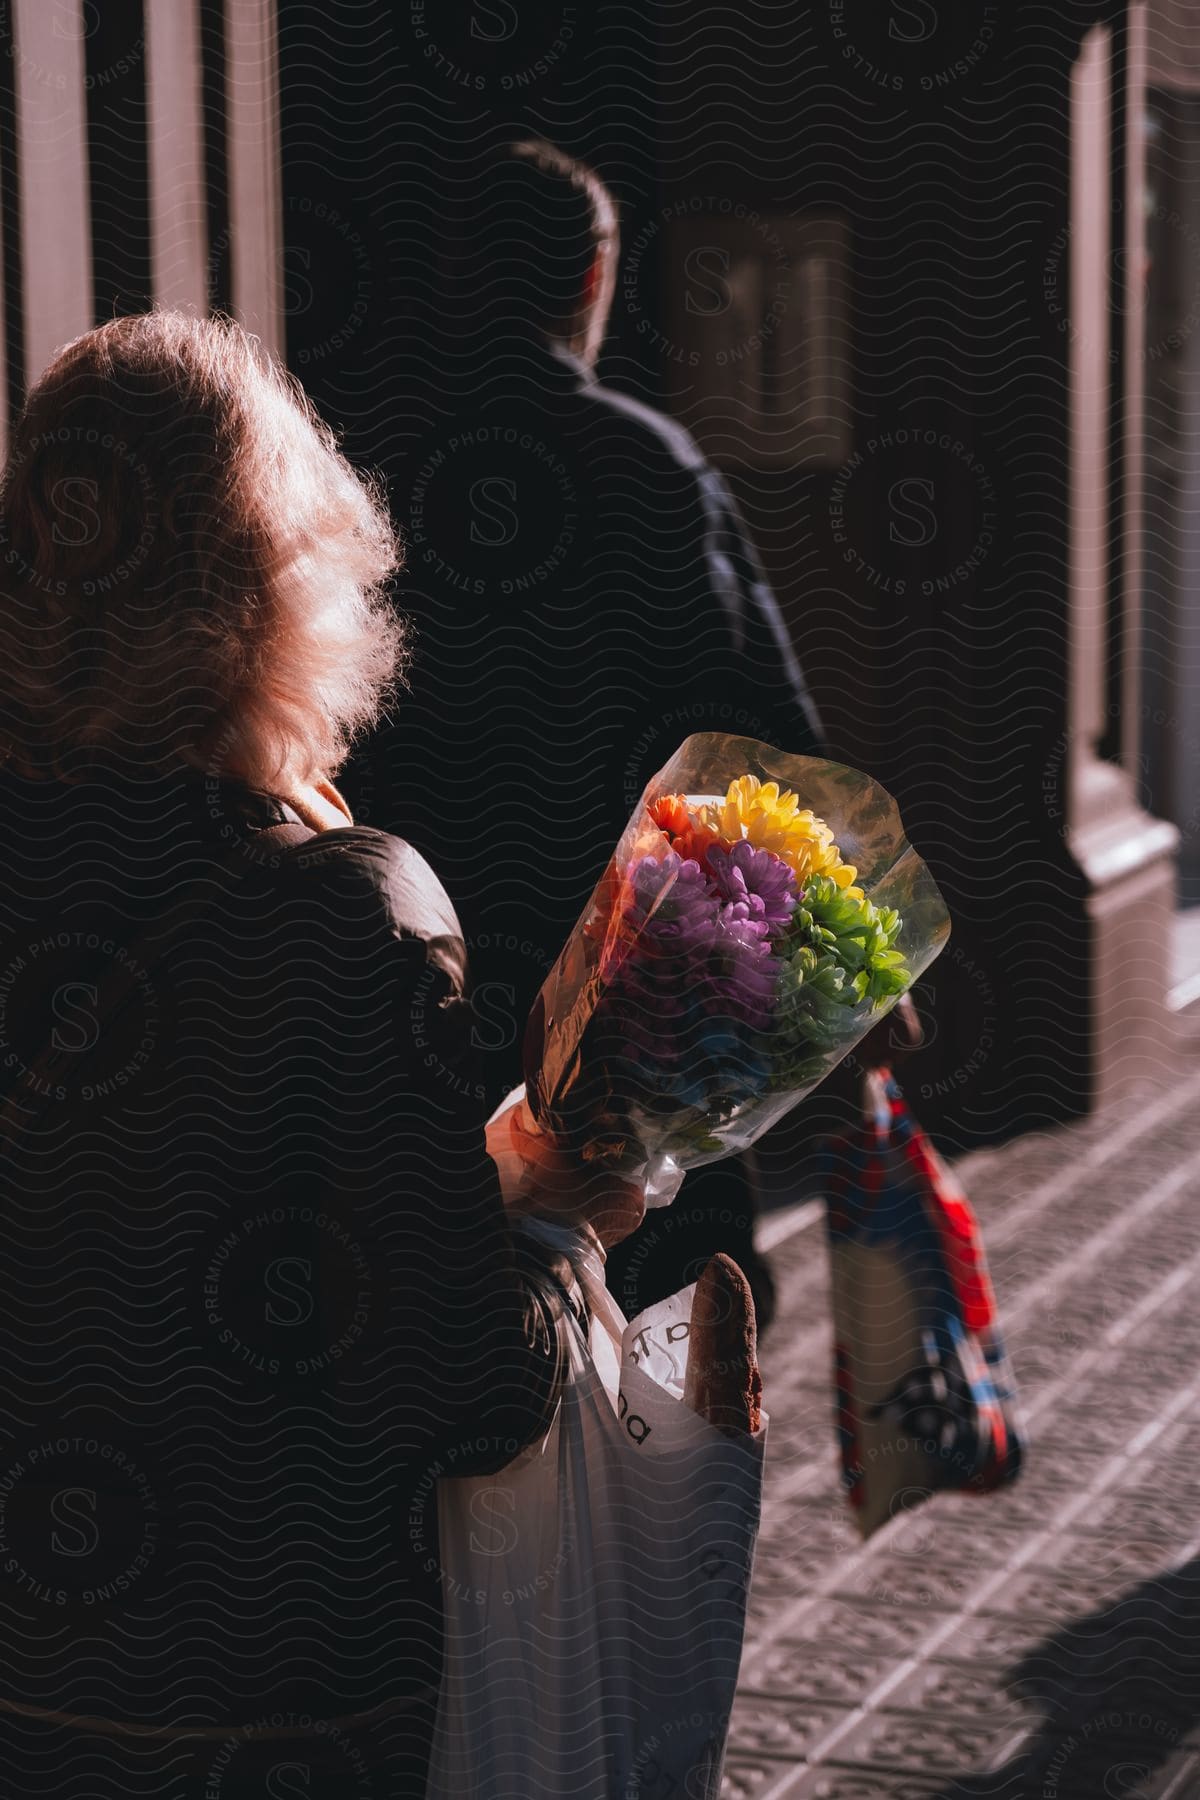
<point>686,832</point>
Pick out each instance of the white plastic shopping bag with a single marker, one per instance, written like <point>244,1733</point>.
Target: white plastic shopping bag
<point>595,1589</point>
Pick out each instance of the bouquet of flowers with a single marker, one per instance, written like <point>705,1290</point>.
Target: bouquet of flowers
<point>761,913</point>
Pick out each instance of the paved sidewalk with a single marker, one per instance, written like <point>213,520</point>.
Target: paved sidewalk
<point>1043,1644</point>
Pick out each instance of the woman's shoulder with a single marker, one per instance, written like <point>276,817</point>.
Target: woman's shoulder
<point>387,883</point>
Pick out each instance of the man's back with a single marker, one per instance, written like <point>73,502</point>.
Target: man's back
<point>585,599</point>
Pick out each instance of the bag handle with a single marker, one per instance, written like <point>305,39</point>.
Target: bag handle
<point>877,1093</point>
<point>27,1100</point>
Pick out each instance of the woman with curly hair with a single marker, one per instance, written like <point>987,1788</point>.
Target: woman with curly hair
<point>258,1289</point>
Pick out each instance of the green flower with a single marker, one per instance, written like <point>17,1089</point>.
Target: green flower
<point>839,965</point>
<point>860,935</point>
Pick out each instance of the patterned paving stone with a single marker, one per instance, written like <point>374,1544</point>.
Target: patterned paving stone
<point>748,1778</point>
<point>801,1561</point>
<point>868,1631</point>
<point>807,1446</point>
<point>817,1673</point>
<point>1055,1467</point>
<point>963,1548</point>
<point>1138,1513</point>
<point>761,1610</point>
<point>846,1784</point>
<point>1040,1362</point>
<point>1039,1594</point>
<point>1120,1558</point>
<point>917,1744</point>
<point>966,1544</point>
<point>1032,1505</point>
<point>1141,1398</point>
<point>806,1413</point>
<point>780,1727</point>
<point>956,1690</point>
<point>1145,1360</point>
<point>917,1584</point>
<point>1171,1464</point>
<point>853,1784</point>
<point>995,1644</point>
<point>1093,1435</point>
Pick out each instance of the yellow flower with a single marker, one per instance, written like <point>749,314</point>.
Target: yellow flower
<point>772,819</point>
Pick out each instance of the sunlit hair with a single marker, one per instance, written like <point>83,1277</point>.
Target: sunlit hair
<point>189,567</point>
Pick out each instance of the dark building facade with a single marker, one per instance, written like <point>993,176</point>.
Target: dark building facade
<point>884,263</point>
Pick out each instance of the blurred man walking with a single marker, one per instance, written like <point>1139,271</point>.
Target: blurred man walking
<point>586,597</point>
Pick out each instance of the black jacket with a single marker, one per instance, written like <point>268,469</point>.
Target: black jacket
<point>585,597</point>
<point>256,1294</point>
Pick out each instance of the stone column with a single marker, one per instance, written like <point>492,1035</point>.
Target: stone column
<point>255,202</point>
<point>175,132</point>
<point>1126,855</point>
<point>56,243</point>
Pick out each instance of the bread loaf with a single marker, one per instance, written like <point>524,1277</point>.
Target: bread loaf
<point>723,1383</point>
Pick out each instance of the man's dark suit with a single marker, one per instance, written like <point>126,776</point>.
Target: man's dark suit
<point>585,597</point>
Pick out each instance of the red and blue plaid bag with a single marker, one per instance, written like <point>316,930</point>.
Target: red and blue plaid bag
<point>925,1395</point>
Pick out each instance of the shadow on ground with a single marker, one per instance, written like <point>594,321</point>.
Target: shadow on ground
<point>1120,1689</point>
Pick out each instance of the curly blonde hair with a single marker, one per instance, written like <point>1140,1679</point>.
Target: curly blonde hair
<point>190,570</point>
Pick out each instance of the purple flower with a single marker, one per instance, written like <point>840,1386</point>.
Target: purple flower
<point>673,903</point>
<point>757,887</point>
<point>685,1008</point>
<point>739,982</point>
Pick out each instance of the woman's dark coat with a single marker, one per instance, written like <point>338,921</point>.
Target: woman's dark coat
<point>256,1294</point>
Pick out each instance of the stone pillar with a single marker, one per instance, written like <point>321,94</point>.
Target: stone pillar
<point>175,132</point>
<point>255,203</point>
<point>56,242</point>
<point>1125,854</point>
<point>6,300</point>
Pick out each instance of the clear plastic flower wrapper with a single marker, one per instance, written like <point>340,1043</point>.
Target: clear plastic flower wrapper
<point>761,913</point>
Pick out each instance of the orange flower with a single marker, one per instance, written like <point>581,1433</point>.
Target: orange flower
<point>686,831</point>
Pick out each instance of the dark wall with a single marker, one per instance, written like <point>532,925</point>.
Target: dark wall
<point>924,580</point>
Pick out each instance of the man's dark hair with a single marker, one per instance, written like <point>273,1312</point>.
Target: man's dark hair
<point>530,231</point>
